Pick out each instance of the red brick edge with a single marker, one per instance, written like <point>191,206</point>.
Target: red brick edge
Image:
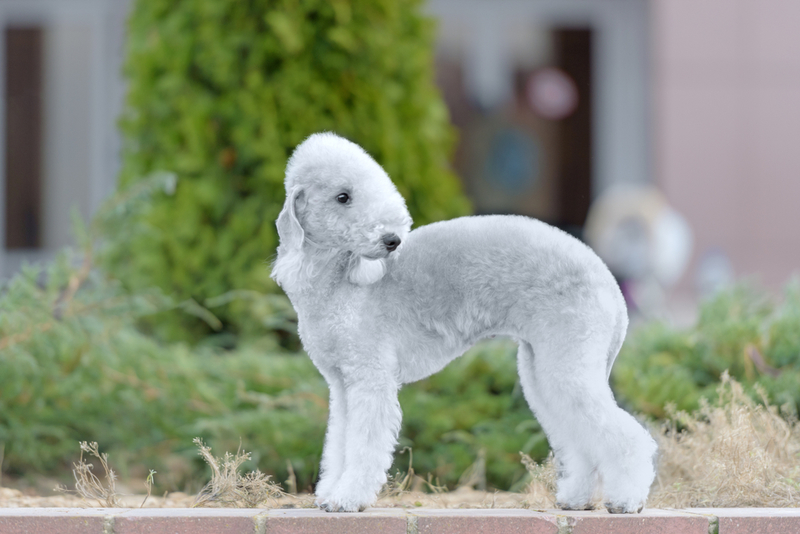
<point>394,521</point>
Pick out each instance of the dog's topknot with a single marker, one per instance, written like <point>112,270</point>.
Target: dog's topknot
<point>329,150</point>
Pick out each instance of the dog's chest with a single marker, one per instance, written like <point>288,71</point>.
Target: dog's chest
<point>335,330</point>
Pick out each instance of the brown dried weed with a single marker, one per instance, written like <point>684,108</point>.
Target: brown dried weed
<point>229,488</point>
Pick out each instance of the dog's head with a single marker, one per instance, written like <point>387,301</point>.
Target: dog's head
<point>338,199</point>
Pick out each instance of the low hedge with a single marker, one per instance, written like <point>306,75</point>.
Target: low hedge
<point>742,329</point>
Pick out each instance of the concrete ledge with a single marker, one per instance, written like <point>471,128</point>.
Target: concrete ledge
<point>394,521</point>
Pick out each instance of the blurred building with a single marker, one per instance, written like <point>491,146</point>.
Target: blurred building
<point>62,91</point>
<point>726,125</point>
<point>555,102</point>
<point>700,98</point>
<point>550,98</point>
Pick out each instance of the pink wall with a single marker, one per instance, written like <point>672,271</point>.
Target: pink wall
<point>726,81</point>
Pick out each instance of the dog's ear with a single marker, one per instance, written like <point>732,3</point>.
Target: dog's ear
<point>289,229</point>
<point>289,262</point>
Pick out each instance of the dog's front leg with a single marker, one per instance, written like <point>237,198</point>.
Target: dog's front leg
<point>373,423</point>
<point>332,464</point>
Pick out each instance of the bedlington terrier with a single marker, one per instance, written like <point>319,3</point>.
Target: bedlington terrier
<point>380,306</point>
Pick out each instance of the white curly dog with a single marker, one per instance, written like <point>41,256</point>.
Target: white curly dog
<point>380,306</point>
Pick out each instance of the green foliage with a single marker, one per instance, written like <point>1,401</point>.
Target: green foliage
<point>79,370</point>
<point>221,91</point>
<point>75,367</point>
<point>88,373</point>
<point>756,339</point>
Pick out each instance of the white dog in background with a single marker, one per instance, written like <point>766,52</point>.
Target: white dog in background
<point>380,306</point>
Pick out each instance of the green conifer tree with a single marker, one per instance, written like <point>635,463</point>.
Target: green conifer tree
<point>221,91</point>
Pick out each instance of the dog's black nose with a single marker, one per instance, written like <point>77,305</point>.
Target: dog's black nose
<point>391,241</point>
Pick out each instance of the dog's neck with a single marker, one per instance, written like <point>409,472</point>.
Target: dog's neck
<point>312,269</point>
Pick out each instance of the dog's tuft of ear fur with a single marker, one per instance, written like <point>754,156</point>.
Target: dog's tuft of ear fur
<point>364,272</point>
<point>290,252</point>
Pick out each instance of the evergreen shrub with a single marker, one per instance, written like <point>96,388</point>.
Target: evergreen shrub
<point>757,339</point>
<point>74,367</point>
<point>221,91</point>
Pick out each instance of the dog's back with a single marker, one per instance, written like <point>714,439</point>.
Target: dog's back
<point>460,280</point>
<point>500,259</point>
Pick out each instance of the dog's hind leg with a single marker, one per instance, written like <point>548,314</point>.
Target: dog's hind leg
<point>373,423</point>
<point>577,474</point>
<point>627,466</point>
<point>583,421</point>
<point>332,464</point>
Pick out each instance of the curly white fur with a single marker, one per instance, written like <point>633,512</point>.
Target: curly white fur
<point>373,318</point>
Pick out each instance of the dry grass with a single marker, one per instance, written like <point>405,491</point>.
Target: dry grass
<point>736,453</point>
<point>229,488</point>
<point>410,489</point>
<point>88,486</point>
<point>541,490</point>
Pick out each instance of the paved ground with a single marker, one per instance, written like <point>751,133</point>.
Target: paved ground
<point>394,521</point>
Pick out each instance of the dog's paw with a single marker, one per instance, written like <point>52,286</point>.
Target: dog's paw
<point>570,506</point>
<point>338,501</point>
<point>324,489</point>
<point>624,509</point>
<point>349,494</point>
<point>333,506</point>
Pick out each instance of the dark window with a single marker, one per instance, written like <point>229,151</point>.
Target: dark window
<point>23,138</point>
<point>532,154</point>
<point>573,51</point>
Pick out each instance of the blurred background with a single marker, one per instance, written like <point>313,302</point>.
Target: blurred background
<point>662,132</point>
<point>555,102</point>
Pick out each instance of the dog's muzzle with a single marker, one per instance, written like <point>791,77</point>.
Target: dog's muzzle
<point>391,242</point>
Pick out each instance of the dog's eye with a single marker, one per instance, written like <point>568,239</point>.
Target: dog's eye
<point>343,198</point>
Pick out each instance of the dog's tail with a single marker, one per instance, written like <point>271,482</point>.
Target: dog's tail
<point>620,329</point>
